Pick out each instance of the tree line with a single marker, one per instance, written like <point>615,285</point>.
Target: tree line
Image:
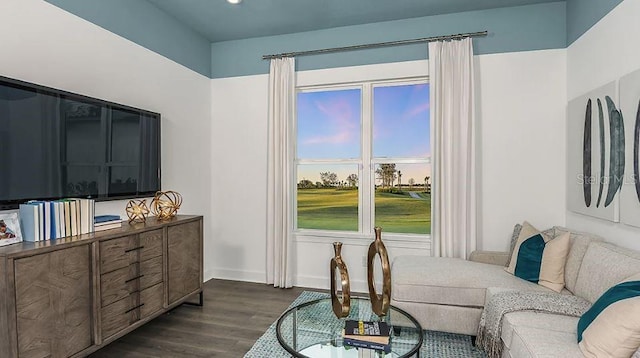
<point>386,174</point>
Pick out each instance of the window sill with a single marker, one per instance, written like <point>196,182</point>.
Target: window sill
<point>359,239</point>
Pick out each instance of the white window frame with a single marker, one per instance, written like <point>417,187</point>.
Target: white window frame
<point>366,187</point>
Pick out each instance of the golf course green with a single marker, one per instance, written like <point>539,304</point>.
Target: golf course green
<point>337,209</point>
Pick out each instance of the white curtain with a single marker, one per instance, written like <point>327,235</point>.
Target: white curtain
<point>454,140</point>
<point>280,181</point>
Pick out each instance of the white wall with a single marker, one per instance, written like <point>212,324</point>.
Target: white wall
<point>43,44</point>
<point>238,176</point>
<point>522,165</point>
<point>608,51</point>
<point>522,118</point>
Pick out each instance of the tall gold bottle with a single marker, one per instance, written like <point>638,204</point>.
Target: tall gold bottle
<point>379,303</point>
<point>340,306</point>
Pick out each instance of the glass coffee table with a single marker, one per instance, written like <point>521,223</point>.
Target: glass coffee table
<point>311,330</point>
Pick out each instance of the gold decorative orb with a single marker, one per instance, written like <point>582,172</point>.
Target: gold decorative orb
<point>137,210</point>
<point>379,302</point>
<point>165,204</point>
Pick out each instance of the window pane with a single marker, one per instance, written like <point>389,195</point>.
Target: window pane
<point>403,198</point>
<point>328,197</point>
<point>329,124</point>
<point>401,121</point>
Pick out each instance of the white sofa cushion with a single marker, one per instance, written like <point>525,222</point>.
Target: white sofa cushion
<point>543,343</point>
<point>603,266</point>
<point>546,321</point>
<point>449,281</point>
<point>579,243</point>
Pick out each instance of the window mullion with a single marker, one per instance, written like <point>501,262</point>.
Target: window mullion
<point>366,188</point>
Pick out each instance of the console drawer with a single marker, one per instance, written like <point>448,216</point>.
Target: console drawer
<point>119,315</point>
<point>119,284</point>
<point>124,251</point>
<point>152,299</point>
<point>118,253</point>
<point>151,243</point>
<point>150,272</point>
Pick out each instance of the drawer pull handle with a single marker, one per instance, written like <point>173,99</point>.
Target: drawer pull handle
<point>133,278</point>
<point>134,292</point>
<point>134,308</point>
<point>135,249</point>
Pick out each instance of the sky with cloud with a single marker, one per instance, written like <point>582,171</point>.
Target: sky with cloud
<point>329,127</point>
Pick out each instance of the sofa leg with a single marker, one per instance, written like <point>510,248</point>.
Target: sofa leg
<point>473,341</point>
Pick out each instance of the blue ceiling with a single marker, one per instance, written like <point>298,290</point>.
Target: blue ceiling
<point>218,20</point>
<point>217,39</point>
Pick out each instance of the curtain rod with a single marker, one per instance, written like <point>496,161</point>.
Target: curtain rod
<point>375,45</point>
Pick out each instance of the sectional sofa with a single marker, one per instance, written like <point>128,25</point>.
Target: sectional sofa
<point>446,294</point>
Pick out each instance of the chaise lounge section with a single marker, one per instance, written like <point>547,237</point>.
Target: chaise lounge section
<point>446,294</point>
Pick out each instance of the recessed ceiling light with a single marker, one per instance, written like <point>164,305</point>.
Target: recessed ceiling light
<point>234,1</point>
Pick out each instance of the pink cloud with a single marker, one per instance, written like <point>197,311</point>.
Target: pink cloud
<point>338,112</point>
<point>339,115</point>
<point>338,138</point>
<point>416,110</point>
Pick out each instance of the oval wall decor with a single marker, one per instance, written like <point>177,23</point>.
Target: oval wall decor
<point>602,149</point>
<point>586,156</point>
<point>616,153</point>
<point>636,148</point>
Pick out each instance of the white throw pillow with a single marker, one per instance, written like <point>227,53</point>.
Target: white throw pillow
<point>611,327</point>
<point>538,258</point>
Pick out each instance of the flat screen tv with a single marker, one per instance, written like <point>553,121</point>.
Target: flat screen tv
<point>55,144</point>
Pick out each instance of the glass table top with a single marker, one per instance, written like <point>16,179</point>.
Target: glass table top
<point>311,330</point>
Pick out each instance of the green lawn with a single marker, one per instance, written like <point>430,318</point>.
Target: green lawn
<point>333,209</point>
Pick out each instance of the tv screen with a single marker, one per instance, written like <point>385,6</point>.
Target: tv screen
<point>55,144</point>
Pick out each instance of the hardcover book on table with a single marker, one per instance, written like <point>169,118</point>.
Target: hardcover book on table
<point>366,332</point>
<point>366,328</point>
<point>367,345</point>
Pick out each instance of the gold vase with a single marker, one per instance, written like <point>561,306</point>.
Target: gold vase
<point>340,306</point>
<point>379,303</point>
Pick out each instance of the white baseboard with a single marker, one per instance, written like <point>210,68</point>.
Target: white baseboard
<point>321,283</point>
<point>236,275</point>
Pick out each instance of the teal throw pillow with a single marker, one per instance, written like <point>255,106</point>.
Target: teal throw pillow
<point>529,258</point>
<point>611,327</point>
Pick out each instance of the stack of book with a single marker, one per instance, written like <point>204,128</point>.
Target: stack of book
<point>367,334</point>
<point>48,220</point>
<point>106,222</point>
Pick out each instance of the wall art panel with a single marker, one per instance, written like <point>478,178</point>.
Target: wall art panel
<point>595,154</point>
<point>630,109</point>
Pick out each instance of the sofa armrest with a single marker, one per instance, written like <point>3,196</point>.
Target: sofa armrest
<point>490,257</point>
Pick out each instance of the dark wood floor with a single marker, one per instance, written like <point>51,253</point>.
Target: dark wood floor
<point>234,315</point>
